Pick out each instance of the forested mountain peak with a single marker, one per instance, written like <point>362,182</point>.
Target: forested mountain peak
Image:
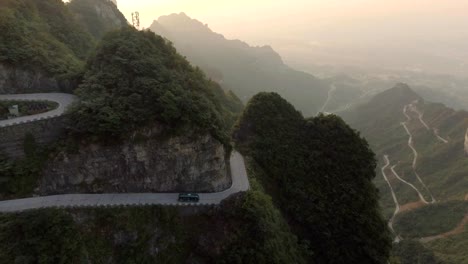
<point>422,164</point>
<point>128,84</point>
<point>48,41</point>
<point>305,163</point>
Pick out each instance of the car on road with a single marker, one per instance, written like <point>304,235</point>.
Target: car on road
<point>189,198</point>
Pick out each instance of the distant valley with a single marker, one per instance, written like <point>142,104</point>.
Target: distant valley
<point>340,167</point>
<point>422,164</point>
<point>239,67</point>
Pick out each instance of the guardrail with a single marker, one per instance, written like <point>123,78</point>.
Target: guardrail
<point>240,183</point>
<point>63,100</point>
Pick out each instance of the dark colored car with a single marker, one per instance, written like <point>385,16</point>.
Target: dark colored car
<point>189,198</point>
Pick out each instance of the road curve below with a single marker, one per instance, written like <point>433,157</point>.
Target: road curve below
<point>421,197</point>
<point>415,153</point>
<point>395,200</point>
<point>64,101</point>
<point>240,183</point>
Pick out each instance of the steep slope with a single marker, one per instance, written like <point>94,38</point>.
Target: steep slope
<point>41,46</point>
<point>97,16</point>
<point>147,121</point>
<point>421,151</point>
<point>152,235</point>
<point>44,44</point>
<point>423,139</point>
<point>239,67</point>
<point>320,173</point>
<point>135,79</point>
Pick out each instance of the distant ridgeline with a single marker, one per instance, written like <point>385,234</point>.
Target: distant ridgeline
<point>421,152</point>
<point>145,114</point>
<point>149,121</point>
<point>44,44</point>
<point>438,137</point>
<point>239,67</point>
<point>135,90</point>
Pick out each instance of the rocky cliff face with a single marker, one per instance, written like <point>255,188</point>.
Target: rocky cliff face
<point>189,163</point>
<point>15,80</point>
<point>110,14</point>
<point>98,16</point>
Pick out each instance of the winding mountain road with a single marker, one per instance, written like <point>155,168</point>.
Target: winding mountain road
<point>330,93</point>
<point>240,180</point>
<point>63,100</point>
<point>415,109</point>
<point>421,197</point>
<point>395,200</point>
<point>240,183</point>
<point>436,133</point>
<point>415,153</point>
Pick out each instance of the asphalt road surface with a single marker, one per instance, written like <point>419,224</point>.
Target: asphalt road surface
<point>240,183</point>
<point>64,101</point>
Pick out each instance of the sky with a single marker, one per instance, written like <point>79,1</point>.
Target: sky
<point>422,32</point>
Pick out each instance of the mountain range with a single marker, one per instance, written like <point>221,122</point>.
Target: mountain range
<point>244,69</point>
<point>149,121</point>
<point>422,166</point>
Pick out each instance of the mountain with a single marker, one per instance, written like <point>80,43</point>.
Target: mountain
<point>39,50</point>
<point>320,173</point>
<point>145,114</point>
<point>420,147</point>
<point>437,134</point>
<point>239,67</point>
<point>44,44</point>
<point>158,234</point>
<point>97,16</point>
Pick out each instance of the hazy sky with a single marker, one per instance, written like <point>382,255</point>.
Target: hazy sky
<point>333,31</point>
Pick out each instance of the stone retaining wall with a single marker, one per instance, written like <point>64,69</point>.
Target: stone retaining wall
<point>44,131</point>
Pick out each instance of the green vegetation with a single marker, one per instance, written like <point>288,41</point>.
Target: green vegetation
<point>136,78</point>
<point>53,38</point>
<point>441,166</point>
<point>431,220</point>
<point>42,35</point>
<point>46,237</point>
<point>451,249</point>
<point>245,229</point>
<point>411,252</point>
<point>26,108</point>
<point>243,69</point>
<point>19,177</point>
<point>260,234</point>
<point>86,14</point>
<point>320,172</point>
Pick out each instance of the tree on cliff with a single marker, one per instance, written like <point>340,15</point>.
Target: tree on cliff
<point>323,172</point>
<point>136,78</point>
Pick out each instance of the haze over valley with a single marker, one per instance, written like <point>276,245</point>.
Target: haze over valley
<point>233,131</point>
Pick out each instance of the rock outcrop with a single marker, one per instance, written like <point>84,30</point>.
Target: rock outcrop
<point>45,132</point>
<point>15,80</point>
<point>109,14</point>
<point>147,163</point>
<point>98,16</point>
